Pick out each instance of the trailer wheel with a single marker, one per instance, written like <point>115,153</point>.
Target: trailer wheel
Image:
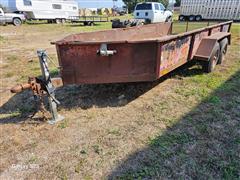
<point>182,18</point>
<point>198,18</point>
<point>58,21</point>
<point>91,24</point>
<point>169,19</point>
<point>50,21</point>
<point>223,47</point>
<point>138,23</point>
<point>191,18</point>
<point>209,66</point>
<point>63,21</point>
<point>17,21</point>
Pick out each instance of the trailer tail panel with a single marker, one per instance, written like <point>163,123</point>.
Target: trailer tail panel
<point>174,54</point>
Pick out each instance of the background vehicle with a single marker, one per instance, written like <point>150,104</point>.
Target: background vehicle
<point>53,11</point>
<point>121,10</point>
<point>152,12</point>
<point>216,10</point>
<point>145,13</point>
<point>88,20</point>
<point>13,18</point>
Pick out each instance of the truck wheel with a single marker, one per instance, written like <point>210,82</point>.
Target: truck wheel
<point>198,18</point>
<point>17,21</point>
<point>210,65</point>
<point>181,18</point>
<point>223,47</point>
<point>191,18</point>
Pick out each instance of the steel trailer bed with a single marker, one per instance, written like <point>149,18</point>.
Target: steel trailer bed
<point>142,53</point>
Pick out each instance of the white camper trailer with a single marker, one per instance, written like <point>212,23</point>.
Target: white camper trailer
<point>209,9</point>
<point>51,10</point>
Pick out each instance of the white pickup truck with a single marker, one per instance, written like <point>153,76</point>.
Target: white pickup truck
<point>11,18</point>
<point>145,13</point>
<point>153,12</point>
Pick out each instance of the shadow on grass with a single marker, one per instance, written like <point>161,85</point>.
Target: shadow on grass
<point>204,144</point>
<point>87,96</point>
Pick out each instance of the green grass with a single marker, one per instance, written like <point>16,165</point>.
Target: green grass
<point>2,39</point>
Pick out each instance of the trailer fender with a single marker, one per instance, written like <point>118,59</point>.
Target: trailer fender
<point>207,45</point>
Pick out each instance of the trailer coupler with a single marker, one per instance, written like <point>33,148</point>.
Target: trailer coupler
<point>41,87</point>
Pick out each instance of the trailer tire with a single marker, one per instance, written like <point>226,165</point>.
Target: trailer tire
<point>58,21</point>
<point>209,66</point>
<point>169,19</point>
<point>17,21</point>
<point>223,47</point>
<point>49,21</point>
<point>192,18</point>
<point>198,18</point>
<point>181,18</point>
<point>139,23</point>
<point>63,21</point>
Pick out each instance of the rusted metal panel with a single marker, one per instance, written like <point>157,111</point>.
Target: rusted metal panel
<point>174,54</point>
<point>198,38</point>
<point>219,35</point>
<point>225,28</point>
<point>82,64</point>
<point>205,48</point>
<point>133,34</point>
<point>215,30</point>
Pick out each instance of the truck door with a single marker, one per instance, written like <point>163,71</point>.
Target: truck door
<point>156,13</point>
<point>163,14</point>
<point>2,17</point>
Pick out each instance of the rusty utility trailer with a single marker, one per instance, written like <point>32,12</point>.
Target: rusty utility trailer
<point>141,53</point>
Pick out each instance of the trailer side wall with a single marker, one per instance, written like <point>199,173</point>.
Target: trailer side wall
<point>176,52</point>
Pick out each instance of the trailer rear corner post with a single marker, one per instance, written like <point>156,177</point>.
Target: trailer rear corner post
<point>53,102</point>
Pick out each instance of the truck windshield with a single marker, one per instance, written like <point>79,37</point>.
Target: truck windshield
<point>144,6</point>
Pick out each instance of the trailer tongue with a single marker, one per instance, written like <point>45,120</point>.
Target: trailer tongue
<point>129,55</point>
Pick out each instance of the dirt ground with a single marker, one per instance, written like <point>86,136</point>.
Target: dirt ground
<point>186,125</point>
